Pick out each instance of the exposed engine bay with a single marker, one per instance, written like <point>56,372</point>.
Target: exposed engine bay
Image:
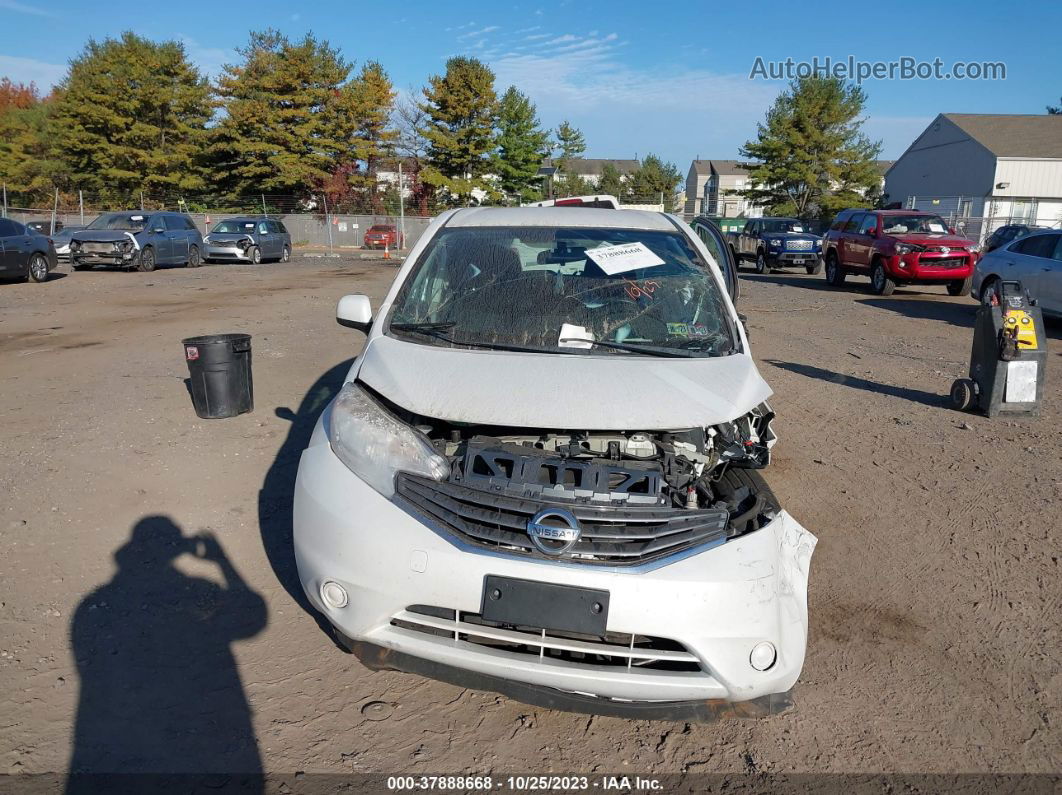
<point>685,469</point>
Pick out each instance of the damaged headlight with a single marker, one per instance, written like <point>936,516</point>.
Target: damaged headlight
<point>375,445</point>
<point>244,243</point>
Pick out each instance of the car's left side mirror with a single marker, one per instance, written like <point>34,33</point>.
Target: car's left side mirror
<point>354,311</point>
<point>951,230</point>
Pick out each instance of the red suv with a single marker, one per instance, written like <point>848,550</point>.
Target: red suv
<point>898,247</point>
<point>381,236</point>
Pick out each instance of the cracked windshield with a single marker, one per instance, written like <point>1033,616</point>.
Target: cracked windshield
<point>615,291</point>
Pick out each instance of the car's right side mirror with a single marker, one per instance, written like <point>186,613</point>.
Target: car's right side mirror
<point>354,311</point>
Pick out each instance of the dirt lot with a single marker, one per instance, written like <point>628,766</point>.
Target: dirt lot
<point>935,588</point>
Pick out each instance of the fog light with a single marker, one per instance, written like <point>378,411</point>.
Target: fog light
<point>335,595</point>
<point>763,656</point>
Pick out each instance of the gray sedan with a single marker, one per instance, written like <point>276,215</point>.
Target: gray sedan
<point>1034,260</point>
<point>248,239</point>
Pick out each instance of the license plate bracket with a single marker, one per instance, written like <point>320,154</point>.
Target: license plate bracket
<point>546,605</point>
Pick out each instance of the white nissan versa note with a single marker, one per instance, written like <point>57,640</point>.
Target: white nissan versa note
<point>540,477</point>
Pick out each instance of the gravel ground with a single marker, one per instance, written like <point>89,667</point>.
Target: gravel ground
<point>934,597</point>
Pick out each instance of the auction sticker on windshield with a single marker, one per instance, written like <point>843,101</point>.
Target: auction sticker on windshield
<point>624,257</point>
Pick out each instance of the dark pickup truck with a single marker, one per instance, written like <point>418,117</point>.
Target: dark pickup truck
<point>775,243</point>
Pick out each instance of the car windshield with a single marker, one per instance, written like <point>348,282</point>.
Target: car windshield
<point>914,225</point>
<point>123,222</point>
<point>782,225</point>
<point>233,227</point>
<point>624,291</point>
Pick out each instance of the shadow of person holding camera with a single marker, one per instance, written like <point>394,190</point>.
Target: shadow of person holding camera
<point>160,691</point>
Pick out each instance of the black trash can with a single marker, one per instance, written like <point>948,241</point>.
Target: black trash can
<point>219,368</point>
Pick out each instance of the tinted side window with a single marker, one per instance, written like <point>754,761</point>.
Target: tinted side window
<point>263,228</point>
<point>854,222</point>
<point>8,228</point>
<point>188,222</point>
<point>281,228</point>
<point>868,224</point>
<point>839,222</point>
<point>1037,246</point>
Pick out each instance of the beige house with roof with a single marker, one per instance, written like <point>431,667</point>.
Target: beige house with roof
<point>712,189</point>
<point>983,170</point>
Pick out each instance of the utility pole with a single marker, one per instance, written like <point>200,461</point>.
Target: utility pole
<point>81,206</point>
<point>141,200</point>
<point>328,223</point>
<point>5,200</point>
<point>263,204</point>
<point>401,209</point>
<point>55,210</point>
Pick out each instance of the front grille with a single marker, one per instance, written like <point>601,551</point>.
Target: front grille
<point>798,245</point>
<point>614,649</point>
<point>614,535</point>
<point>98,248</point>
<point>942,262</point>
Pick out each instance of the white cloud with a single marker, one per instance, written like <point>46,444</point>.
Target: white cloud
<point>23,8</point>
<point>210,60</point>
<point>564,38</point>
<point>30,70</point>
<point>537,36</point>
<point>529,30</point>
<point>481,32</point>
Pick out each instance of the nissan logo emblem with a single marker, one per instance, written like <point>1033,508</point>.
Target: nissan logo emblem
<point>554,531</point>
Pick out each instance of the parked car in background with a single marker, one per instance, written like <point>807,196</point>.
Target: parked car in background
<point>248,239</point>
<point>45,227</point>
<point>609,546</point>
<point>62,242</point>
<point>1008,233</point>
<point>382,236</point>
<point>895,247</point>
<point>1035,260</point>
<point>24,254</point>
<point>775,243</point>
<point>138,239</point>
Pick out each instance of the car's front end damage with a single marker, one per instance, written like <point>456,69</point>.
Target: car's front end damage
<point>564,504</point>
<point>229,247</point>
<point>113,248</point>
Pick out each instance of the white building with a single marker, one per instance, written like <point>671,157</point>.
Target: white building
<point>712,188</point>
<point>983,171</point>
<point>590,168</point>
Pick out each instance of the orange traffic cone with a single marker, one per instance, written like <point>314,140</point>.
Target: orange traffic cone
<point>387,251</point>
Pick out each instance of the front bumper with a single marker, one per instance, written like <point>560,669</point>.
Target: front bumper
<point>781,257</point>
<point>929,267</point>
<point>230,253</point>
<point>717,604</point>
<point>117,258</point>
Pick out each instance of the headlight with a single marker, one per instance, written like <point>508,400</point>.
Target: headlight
<point>974,249</point>
<point>244,243</point>
<point>774,243</point>
<point>206,239</point>
<point>906,248</point>
<point>375,445</point>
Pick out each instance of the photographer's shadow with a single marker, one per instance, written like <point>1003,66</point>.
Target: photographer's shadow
<point>160,691</point>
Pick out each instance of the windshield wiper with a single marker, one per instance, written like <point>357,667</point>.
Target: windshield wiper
<point>630,347</point>
<point>434,330</point>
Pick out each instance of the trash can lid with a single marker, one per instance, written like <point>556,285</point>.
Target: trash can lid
<point>210,339</point>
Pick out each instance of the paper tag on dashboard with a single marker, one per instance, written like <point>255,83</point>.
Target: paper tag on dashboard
<point>573,336</point>
<point>623,258</point>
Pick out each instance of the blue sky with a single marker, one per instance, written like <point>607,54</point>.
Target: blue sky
<point>669,78</point>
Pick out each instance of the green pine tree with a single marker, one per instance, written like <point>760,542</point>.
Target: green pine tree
<point>654,180</point>
<point>570,142</point>
<point>131,115</point>
<point>611,181</point>
<point>27,154</point>
<point>521,146</point>
<point>289,124</point>
<point>811,157</point>
<point>461,108</point>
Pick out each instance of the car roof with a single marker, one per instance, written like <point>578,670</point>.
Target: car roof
<point>560,216</point>
<point>254,218</point>
<point>903,212</point>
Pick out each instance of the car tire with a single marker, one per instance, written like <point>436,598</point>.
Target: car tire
<point>195,260</point>
<point>960,287</point>
<point>146,263</point>
<point>38,268</point>
<point>285,255</point>
<point>254,254</point>
<point>835,274</point>
<point>880,282</point>
<point>963,394</point>
<point>988,286</point>
<point>816,269</point>
<point>761,262</point>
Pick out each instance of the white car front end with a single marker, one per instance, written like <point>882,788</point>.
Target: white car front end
<point>427,534</point>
